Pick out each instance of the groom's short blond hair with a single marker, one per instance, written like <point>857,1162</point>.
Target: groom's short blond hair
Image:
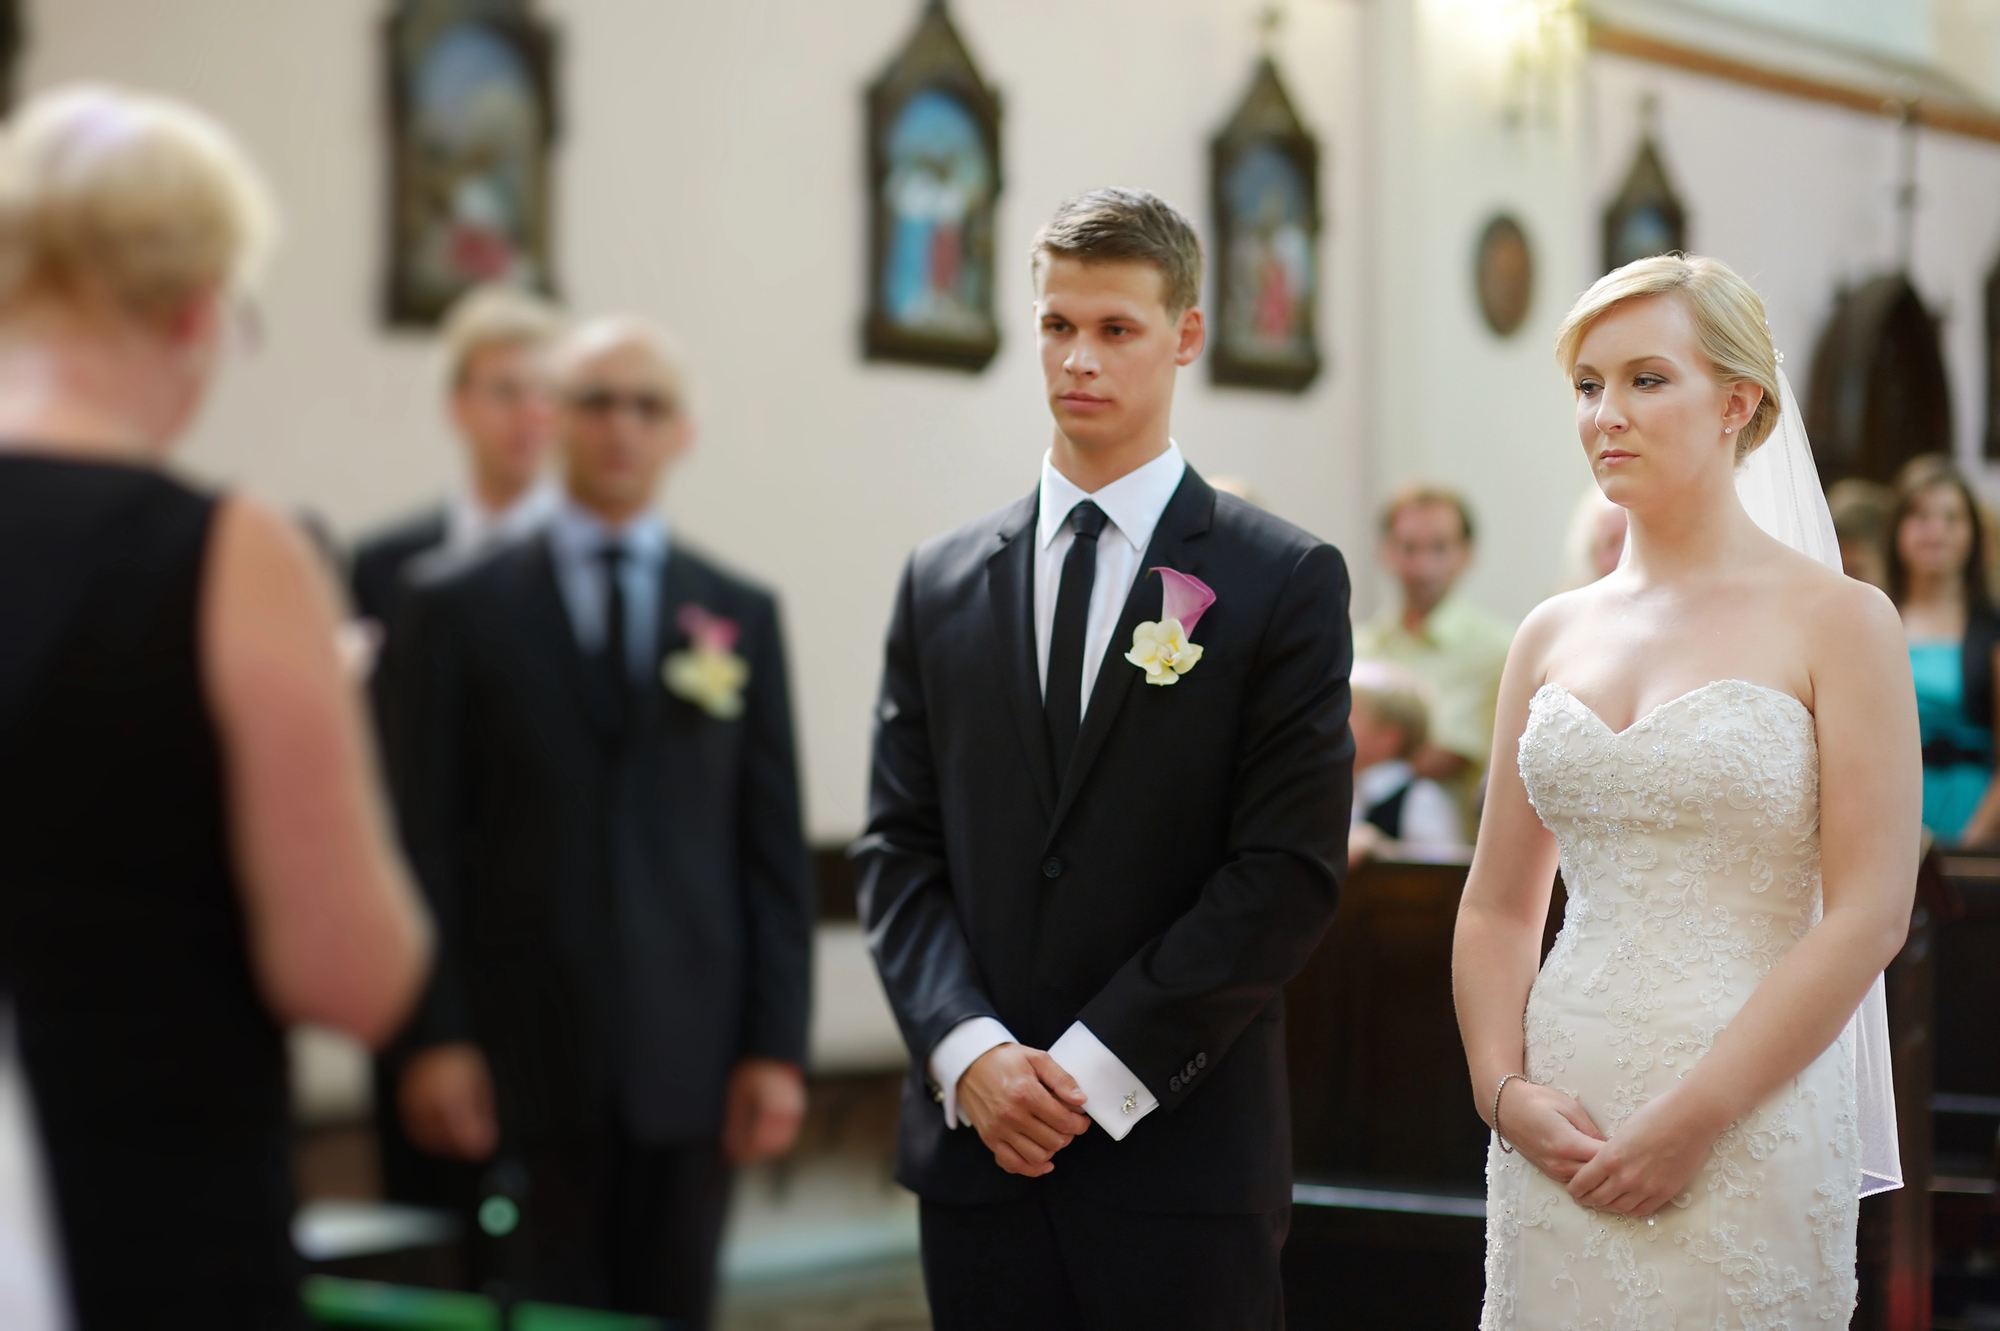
<point>1728,323</point>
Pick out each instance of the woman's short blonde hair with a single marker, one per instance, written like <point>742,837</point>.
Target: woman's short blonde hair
<point>1728,321</point>
<point>140,200</point>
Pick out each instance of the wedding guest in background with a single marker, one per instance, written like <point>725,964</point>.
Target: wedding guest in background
<point>1937,577</point>
<point>496,342</point>
<point>192,854</point>
<point>1861,522</point>
<point>1455,648</point>
<point>1395,810</point>
<point>1596,540</point>
<point>599,792</point>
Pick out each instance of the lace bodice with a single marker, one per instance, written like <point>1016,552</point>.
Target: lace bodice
<point>1689,847</point>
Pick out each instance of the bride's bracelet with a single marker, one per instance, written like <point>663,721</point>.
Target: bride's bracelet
<point>1499,1135</point>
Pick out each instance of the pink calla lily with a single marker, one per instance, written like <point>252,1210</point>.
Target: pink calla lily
<point>1183,597</point>
<point>710,633</point>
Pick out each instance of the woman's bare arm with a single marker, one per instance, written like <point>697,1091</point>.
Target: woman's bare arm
<point>1983,828</point>
<point>1871,795</point>
<point>336,934</point>
<point>1496,949</point>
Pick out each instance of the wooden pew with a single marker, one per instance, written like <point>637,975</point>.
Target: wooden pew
<point>1388,1215</point>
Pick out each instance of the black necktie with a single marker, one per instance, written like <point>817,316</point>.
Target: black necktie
<point>617,678</point>
<point>1062,695</point>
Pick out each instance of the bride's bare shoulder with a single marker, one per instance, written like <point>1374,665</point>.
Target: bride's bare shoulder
<point>1547,622</point>
<point>1838,610</point>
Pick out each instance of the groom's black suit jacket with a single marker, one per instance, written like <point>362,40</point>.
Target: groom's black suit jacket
<point>622,913</point>
<point>1184,871</point>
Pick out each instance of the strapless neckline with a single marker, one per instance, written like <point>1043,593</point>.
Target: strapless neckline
<point>1675,701</point>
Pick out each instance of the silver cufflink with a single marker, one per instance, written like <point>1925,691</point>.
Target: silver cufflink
<point>1131,1101</point>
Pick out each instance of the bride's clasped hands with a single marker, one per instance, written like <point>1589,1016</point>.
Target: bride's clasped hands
<point>1644,1165</point>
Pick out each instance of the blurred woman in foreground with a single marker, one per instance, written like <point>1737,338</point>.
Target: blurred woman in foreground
<point>191,852</point>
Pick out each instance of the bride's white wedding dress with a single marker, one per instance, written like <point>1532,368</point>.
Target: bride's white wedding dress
<point>1690,850</point>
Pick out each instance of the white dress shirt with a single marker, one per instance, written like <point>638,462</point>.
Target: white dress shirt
<point>576,539</point>
<point>470,526</point>
<point>1430,816</point>
<point>1133,504</point>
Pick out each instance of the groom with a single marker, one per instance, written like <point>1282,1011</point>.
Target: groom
<point>1108,821</point>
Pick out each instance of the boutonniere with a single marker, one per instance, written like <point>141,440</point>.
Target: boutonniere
<point>1161,648</point>
<point>709,673</point>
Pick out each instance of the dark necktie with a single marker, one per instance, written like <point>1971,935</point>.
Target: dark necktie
<point>1062,694</point>
<point>617,678</point>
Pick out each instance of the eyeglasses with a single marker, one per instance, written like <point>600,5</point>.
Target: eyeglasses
<point>603,403</point>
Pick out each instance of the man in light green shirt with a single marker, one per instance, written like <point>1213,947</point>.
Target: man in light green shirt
<point>1456,649</point>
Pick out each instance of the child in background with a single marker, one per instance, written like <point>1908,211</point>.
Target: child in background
<point>1394,808</point>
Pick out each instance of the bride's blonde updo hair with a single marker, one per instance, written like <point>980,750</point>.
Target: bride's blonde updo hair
<point>1728,323</point>
<point>135,200</point>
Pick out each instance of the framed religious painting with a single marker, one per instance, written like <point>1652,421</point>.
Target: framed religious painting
<point>1267,206</point>
<point>1647,217</point>
<point>1265,169</point>
<point>933,184</point>
<point>472,113</point>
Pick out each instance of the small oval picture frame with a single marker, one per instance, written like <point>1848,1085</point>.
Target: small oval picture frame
<point>1504,275</point>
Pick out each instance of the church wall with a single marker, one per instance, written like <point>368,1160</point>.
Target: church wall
<point>711,176</point>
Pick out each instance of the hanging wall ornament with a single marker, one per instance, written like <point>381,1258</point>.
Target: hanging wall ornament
<point>1266,259</point>
<point>1647,217</point>
<point>1503,274</point>
<point>933,183</point>
<point>472,112</point>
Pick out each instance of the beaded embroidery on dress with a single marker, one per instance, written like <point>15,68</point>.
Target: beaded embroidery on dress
<point>1690,850</point>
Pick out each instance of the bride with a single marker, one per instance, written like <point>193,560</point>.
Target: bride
<point>1718,745</point>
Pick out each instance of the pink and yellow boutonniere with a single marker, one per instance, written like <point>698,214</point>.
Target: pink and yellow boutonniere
<point>709,673</point>
<point>1161,648</point>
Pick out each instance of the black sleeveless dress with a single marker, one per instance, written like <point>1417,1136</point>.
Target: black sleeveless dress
<point>157,1074</point>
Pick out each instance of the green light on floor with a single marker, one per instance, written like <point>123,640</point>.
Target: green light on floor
<point>498,1216</point>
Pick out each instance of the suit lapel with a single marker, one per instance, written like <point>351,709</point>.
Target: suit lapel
<point>1187,517</point>
<point>1010,582</point>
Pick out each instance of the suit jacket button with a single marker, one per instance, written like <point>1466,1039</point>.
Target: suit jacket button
<point>1052,867</point>
<point>1201,1060</point>
<point>1187,1073</point>
<point>1173,1083</point>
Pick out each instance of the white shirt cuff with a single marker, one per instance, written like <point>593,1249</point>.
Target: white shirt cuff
<point>1117,1099</point>
<point>958,1051</point>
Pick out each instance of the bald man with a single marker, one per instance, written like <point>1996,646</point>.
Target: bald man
<point>597,785</point>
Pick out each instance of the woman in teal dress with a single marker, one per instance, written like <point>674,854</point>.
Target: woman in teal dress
<point>1937,575</point>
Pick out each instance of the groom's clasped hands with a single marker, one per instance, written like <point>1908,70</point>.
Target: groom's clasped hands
<point>1024,1107</point>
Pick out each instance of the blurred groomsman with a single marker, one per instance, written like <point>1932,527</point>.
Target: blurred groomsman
<point>598,789</point>
<point>496,344</point>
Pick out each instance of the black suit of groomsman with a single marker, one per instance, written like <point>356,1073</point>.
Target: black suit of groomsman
<point>495,344</point>
<point>611,844</point>
<point>1128,889</point>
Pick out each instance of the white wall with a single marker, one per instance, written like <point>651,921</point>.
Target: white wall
<point>711,175</point>
<point>1457,138</point>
